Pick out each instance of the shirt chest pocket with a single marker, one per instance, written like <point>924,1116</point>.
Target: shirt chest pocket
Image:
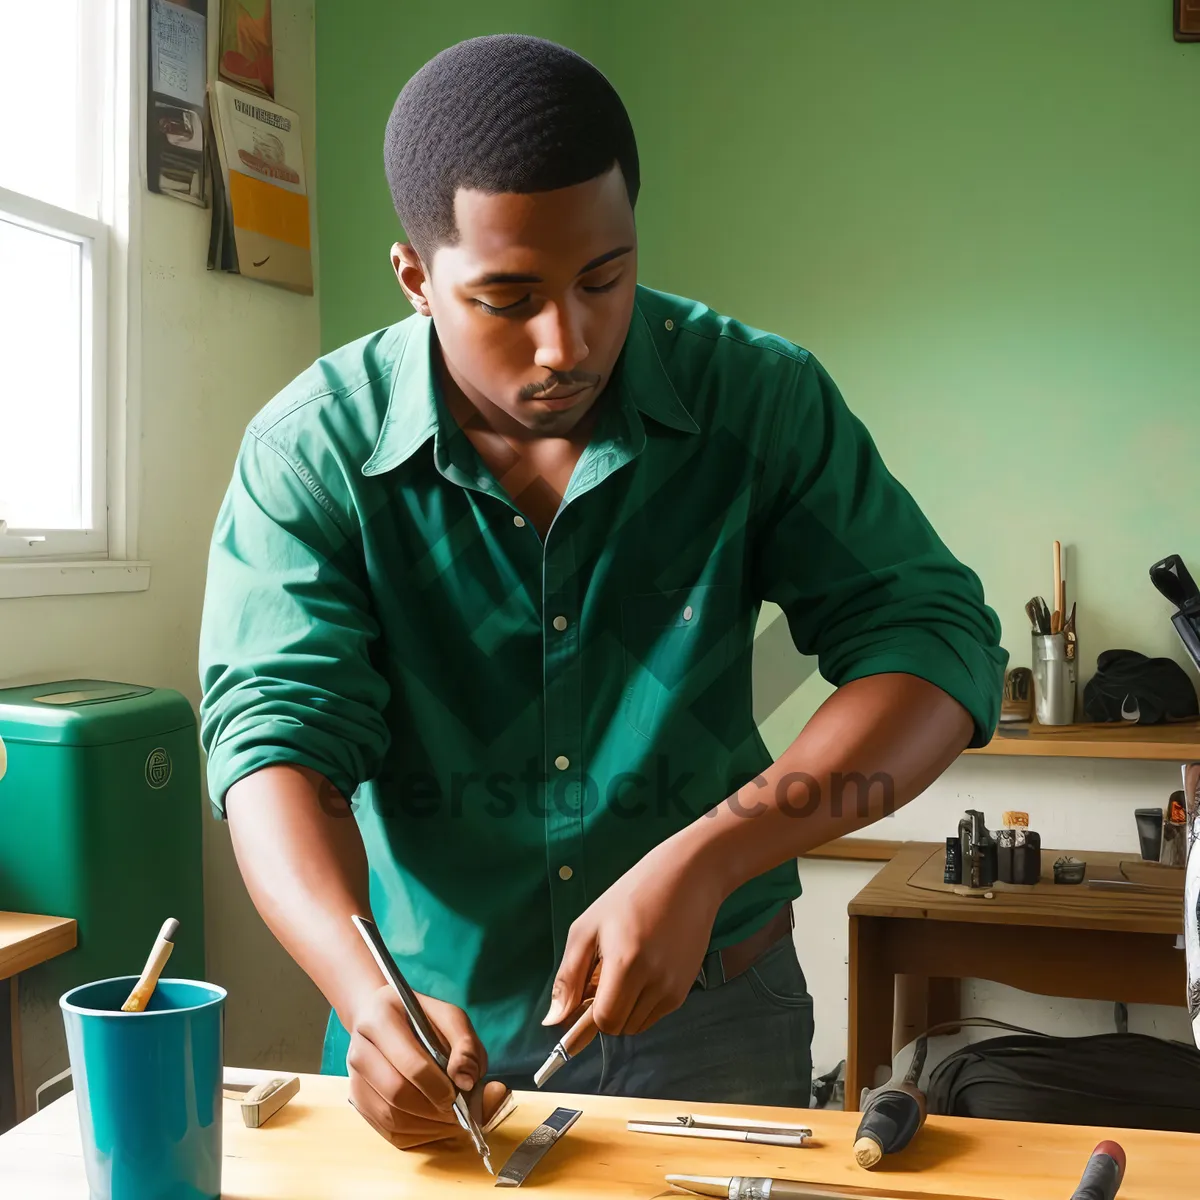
<point>677,644</point>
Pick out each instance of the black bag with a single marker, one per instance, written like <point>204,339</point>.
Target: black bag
<point>1122,1080</point>
<point>1128,686</point>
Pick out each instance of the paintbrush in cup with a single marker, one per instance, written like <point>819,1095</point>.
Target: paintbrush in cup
<point>148,980</point>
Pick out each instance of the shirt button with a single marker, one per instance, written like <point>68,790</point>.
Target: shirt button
<point>669,324</point>
<point>519,521</point>
<point>562,762</point>
<point>560,623</point>
<point>687,613</point>
<point>565,873</point>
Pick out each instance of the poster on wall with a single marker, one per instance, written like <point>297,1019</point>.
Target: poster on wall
<point>176,99</point>
<point>261,229</point>
<point>247,56</point>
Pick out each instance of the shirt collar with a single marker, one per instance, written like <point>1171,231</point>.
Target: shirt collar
<point>412,411</point>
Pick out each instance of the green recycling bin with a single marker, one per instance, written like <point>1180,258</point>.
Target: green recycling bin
<point>100,820</point>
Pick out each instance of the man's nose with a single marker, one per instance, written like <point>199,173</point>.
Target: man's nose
<point>560,338</point>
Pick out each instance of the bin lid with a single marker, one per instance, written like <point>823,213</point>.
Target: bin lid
<point>89,712</point>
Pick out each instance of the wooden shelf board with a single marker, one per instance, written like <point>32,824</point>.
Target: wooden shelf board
<point>1149,743</point>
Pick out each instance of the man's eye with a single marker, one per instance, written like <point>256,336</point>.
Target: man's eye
<point>494,310</point>
<point>603,287</point>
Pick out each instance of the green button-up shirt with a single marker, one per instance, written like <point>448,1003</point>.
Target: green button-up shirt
<point>519,721</point>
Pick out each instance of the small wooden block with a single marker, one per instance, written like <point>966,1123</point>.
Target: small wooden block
<point>264,1100</point>
<point>260,1094</point>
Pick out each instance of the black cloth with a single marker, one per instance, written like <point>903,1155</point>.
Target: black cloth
<point>1128,686</point>
<point>1126,1080</point>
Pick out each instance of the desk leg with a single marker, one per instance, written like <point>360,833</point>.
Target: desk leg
<point>922,1003</point>
<point>872,987</point>
<point>10,1056</point>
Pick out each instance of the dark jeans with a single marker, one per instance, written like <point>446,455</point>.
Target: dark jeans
<point>748,1041</point>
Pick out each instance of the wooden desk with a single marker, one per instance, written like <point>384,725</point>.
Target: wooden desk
<point>25,941</point>
<point>318,1148</point>
<point>1052,939</point>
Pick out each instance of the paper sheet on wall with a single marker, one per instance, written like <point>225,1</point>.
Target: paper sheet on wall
<point>264,219</point>
<point>176,103</point>
<point>246,56</point>
<point>178,66</point>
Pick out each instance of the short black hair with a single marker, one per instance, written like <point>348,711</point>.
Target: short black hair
<point>504,113</point>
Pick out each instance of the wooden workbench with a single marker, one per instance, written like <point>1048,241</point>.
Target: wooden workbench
<point>318,1148</point>
<point>25,941</point>
<point>1053,939</point>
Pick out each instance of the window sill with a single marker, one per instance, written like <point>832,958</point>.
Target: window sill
<point>28,579</point>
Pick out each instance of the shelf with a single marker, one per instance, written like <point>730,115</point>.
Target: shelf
<point>1148,743</point>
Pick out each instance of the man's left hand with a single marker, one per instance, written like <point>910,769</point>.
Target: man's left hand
<point>649,931</point>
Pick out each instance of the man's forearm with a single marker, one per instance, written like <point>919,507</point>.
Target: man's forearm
<point>302,857</point>
<point>873,746</point>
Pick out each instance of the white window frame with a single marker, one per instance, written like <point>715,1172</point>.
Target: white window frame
<point>90,541</point>
<point>102,558</point>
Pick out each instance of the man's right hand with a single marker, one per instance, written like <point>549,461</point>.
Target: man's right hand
<point>397,1087</point>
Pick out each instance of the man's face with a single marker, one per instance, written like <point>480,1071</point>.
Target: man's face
<point>532,304</point>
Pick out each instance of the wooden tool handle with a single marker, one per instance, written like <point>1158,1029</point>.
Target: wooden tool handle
<point>139,997</point>
<point>582,1033</point>
<point>1060,601</point>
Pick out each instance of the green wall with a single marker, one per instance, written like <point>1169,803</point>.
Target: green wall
<point>985,226</point>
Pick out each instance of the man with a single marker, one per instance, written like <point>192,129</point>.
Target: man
<point>486,582</point>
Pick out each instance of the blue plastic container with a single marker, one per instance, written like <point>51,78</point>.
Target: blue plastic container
<point>148,1088</point>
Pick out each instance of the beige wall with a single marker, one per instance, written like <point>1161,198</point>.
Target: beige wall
<point>214,350</point>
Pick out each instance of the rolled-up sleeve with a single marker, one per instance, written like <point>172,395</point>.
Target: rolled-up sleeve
<point>287,633</point>
<point>866,584</point>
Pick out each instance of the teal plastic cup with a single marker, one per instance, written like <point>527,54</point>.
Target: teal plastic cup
<point>148,1088</point>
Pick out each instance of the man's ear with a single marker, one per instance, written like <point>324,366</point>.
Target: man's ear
<point>413,277</point>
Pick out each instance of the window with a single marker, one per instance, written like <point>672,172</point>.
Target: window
<point>64,184</point>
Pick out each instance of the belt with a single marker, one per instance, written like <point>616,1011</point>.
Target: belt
<point>720,966</point>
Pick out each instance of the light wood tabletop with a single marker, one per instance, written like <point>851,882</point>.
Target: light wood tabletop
<point>318,1148</point>
<point>26,941</point>
<point>911,886</point>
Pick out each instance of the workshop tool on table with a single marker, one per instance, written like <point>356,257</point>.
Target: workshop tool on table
<point>260,1094</point>
<point>892,1116</point>
<point>1055,677</point>
<point>1017,704</point>
<point>1149,827</point>
<point>1175,582</point>
<point>1018,851</point>
<point>581,1035</point>
<point>978,851</point>
<point>529,1153</point>
<point>1068,869</point>
<point>1103,1174</point>
<point>139,997</point>
<point>1040,618</point>
<point>745,1187</point>
<point>1060,595</point>
<point>1173,852</point>
<point>729,1129</point>
<point>953,869</point>
<point>424,1030</point>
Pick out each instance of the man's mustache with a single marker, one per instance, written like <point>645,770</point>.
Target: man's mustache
<point>556,379</point>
